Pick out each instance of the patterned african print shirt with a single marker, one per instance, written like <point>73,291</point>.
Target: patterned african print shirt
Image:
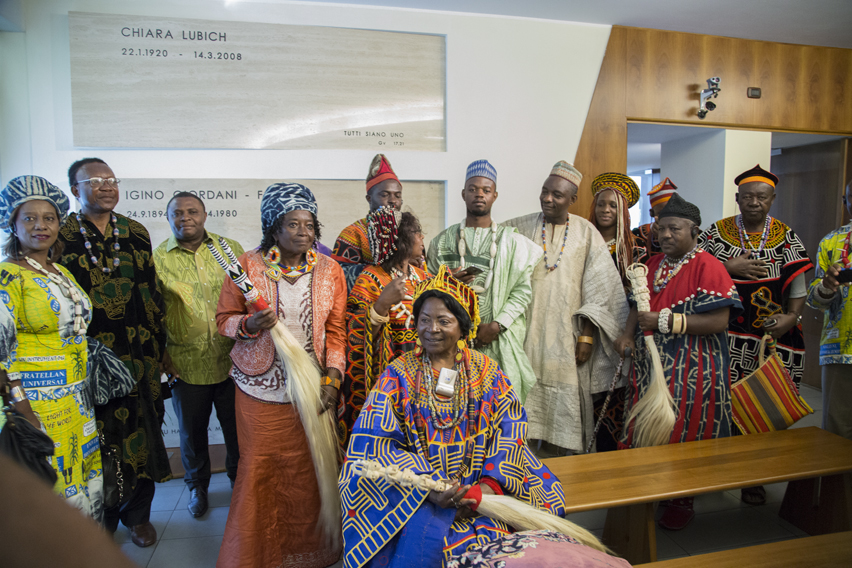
<point>191,282</point>
<point>352,245</point>
<point>836,341</point>
<point>786,258</point>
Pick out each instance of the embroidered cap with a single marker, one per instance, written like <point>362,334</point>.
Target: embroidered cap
<point>481,168</point>
<point>662,192</point>
<point>380,170</point>
<point>680,207</point>
<point>567,171</point>
<point>757,174</point>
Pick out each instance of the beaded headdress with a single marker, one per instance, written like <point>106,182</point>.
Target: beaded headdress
<point>383,232</point>
<point>662,192</point>
<point>619,183</point>
<point>445,282</point>
<point>380,170</point>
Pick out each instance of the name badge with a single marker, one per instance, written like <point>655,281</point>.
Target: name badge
<point>446,382</point>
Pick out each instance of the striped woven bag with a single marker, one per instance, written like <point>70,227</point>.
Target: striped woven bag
<point>767,400</point>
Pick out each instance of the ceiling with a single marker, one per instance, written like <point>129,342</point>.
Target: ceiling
<point>809,22</point>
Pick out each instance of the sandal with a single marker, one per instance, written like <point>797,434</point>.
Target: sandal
<point>754,495</point>
<point>678,514</point>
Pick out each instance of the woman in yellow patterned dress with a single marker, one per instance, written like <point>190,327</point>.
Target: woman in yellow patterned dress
<point>47,372</point>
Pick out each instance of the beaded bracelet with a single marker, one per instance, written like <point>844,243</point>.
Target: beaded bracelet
<point>663,320</point>
<point>242,332</point>
<point>331,381</point>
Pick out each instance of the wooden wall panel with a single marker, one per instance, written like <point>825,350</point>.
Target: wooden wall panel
<point>655,76</point>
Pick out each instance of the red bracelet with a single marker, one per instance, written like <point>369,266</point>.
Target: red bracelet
<point>475,492</point>
<point>492,483</point>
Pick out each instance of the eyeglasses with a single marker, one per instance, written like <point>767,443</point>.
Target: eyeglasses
<point>98,182</point>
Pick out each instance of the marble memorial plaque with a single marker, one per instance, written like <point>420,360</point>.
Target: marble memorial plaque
<point>150,82</point>
<point>233,205</point>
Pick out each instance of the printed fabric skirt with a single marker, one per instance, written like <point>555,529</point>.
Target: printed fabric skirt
<point>275,504</point>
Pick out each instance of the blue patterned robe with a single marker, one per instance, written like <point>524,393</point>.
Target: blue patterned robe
<point>697,367</point>
<point>389,525</point>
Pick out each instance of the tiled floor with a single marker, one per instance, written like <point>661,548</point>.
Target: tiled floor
<point>722,521</point>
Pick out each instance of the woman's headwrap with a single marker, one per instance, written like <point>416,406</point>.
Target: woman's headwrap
<point>619,183</point>
<point>281,198</point>
<point>445,282</point>
<point>383,232</point>
<point>30,188</point>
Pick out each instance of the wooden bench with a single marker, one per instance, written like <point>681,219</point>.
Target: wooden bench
<point>629,482</point>
<point>809,552</point>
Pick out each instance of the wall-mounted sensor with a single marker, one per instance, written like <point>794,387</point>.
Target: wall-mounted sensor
<point>753,92</point>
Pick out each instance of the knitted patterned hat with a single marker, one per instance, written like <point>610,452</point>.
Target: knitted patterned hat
<point>680,207</point>
<point>662,192</point>
<point>30,188</point>
<point>445,282</point>
<point>567,171</point>
<point>757,174</point>
<point>380,170</point>
<point>383,232</point>
<point>481,168</point>
<point>281,198</point>
<point>617,182</point>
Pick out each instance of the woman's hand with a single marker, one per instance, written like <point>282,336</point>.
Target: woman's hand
<point>624,342</point>
<point>649,321</point>
<point>264,319</point>
<point>328,398</point>
<point>830,281</point>
<point>391,295</point>
<point>452,497</point>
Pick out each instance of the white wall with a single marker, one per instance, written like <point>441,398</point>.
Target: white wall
<point>743,150</point>
<point>518,91</point>
<point>696,165</point>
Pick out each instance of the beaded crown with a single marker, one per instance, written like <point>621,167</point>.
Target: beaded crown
<point>445,282</point>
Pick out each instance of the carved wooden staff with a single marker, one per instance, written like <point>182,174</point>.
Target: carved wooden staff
<point>303,388</point>
<point>654,414</point>
<point>515,513</point>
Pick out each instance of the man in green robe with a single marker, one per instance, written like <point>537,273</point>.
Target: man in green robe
<point>497,262</point>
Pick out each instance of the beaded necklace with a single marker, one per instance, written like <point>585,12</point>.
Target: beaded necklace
<point>70,290</point>
<point>304,268</point>
<point>659,281</point>
<point>400,310</point>
<point>116,247</point>
<point>462,248</point>
<point>544,243</point>
<point>744,239</point>
<point>462,397</point>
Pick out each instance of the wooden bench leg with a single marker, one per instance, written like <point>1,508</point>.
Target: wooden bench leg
<point>630,532</point>
<point>819,505</point>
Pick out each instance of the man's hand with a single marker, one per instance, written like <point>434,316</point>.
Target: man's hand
<point>461,274</point>
<point>783,324</point>
<point>328,397</point>
<point>623,342</point>
<point>830,280</point>
<point>650,321</point>
<point>168,367</point>
<point>582,352</point>
<point>746,267</point>
<point>487,333</point>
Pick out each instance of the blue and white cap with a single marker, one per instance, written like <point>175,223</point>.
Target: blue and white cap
<point>481,168</point>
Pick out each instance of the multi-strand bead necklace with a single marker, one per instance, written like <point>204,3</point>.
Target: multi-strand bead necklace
<point>544,243</point>
<point>745,241</point>
<point>115,246</point>
<point>673,268</point>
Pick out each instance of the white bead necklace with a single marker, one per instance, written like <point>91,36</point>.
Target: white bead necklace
<point>462,247</point>
<point>73,293</point>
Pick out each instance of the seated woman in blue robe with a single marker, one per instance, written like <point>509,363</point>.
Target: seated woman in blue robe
<point>475,438</point>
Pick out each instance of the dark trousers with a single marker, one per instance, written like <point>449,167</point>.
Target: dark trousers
<point>193,405</point>
<point>137,509</point>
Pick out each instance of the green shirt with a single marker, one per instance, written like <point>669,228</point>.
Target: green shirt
<point>191,283</point>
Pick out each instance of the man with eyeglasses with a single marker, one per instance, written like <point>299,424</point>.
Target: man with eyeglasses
<point>829,293</point>
<point>767,261</point>
<point>110,256</point>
